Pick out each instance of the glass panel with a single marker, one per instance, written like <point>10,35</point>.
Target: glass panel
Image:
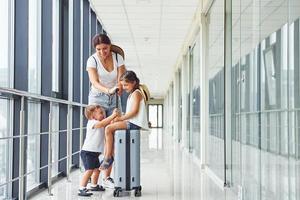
<point>5,42</point>
<point>190,100</point>
<point>215,138</point>
<point>33,144</point>
<point>187,100</point>
<point>5,147</point>
<point>248,90</point>
<point>6,69</point>
<point>195,89</point>
<point>55,45</point>
<point>263,130</point>
<point>160,119</point>
<point>34,47</point>
<point>180,106</point>
<point>34,86</point>
<point>55,139</point>
<point>172,108</point>
<point>274,166</point>
<point>153,115</point>
<point>235,178</point>
<point>294,100</point>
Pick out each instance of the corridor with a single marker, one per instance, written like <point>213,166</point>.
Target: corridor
<point>167,173</point>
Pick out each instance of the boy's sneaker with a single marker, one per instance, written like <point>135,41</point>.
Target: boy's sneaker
<point>108,182</point>
<point>84,192</point>
<point>97,188</point>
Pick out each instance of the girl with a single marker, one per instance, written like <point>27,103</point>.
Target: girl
<point>134,118</point>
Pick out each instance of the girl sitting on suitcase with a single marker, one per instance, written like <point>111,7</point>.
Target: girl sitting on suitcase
<point>134,118</point>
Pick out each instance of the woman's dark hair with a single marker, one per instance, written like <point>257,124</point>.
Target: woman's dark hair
<point>130,77</point>
<point>100,39</point>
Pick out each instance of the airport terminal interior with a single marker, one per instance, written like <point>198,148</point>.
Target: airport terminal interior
<point>224,106</point>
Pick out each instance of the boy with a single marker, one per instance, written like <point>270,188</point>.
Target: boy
<point>93,147</point>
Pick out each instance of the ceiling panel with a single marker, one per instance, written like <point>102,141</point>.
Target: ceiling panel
<point>151,34</point>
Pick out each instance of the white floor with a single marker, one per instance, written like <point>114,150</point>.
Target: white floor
<point>167,173</point>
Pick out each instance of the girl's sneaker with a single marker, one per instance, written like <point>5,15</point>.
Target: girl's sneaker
<point>108,182</point>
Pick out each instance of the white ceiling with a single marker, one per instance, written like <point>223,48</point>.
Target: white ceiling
<point>151,32</point>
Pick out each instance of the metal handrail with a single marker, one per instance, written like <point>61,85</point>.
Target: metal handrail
<point>38,134</point>
<point>30,96</point>
<point>43,167</point>
<point>21,93</point>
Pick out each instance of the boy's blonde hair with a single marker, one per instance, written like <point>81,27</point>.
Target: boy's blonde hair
<point>89,110</point>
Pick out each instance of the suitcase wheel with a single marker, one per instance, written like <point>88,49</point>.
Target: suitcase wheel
<point>138,191</point>
<point>117,192</point>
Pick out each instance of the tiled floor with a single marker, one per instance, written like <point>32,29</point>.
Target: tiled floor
<point>167,173</point>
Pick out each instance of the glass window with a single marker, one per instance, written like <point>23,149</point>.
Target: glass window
<point>55,45</point>
<point>5,42</point>
<point>159,115</point>
<point>195,95</point>
<point>55,139</point>
<point>179,105</point>
<point>294,99</point>
<point>153,115</point>
<point>5,148</point>
<point>215,138</point>
<point>6,80</point>
<point>34,86</point>
<point>70,51</point>
<point>187,104</point>
<point>33,144</point>
<point>264,80</point>
<point>172,108</point>
<point>34,47</point>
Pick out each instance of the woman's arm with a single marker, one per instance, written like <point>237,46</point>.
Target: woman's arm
<point>136,98</point>
<point>121,71</point>
<point>94,79</point>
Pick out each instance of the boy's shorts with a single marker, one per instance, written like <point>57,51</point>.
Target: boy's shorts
<point>132,126</point>
<point>90,159</point>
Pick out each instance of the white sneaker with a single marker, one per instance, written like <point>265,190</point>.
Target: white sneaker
<point>108,182</point>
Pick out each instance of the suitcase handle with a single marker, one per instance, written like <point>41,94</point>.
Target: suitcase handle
<point>117,98</point>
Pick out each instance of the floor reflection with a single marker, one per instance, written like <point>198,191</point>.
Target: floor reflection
<point>167,173</point>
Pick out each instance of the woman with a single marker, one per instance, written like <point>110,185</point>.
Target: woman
<point>105,68</point>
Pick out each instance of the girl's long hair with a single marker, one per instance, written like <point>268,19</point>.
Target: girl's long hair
<point>130,77</point>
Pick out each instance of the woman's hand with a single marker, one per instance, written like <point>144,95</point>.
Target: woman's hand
<point>112,90</point>
<point>120,89</point>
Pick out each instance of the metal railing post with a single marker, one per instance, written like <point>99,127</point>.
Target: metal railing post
<point>21,151</point>
<point>50,151</point>
<point>22,162</point>
<point>68,142</point>
<point>80,134</point>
